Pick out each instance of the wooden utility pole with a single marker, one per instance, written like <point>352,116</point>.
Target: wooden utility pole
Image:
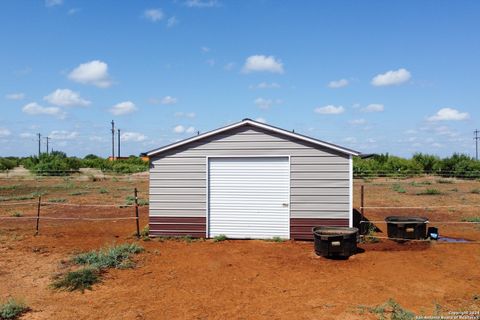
<point>476,138</point>
<point>113,140</point>
<point>118,153</point>
<point>136,212</point>
<point>39,144</point>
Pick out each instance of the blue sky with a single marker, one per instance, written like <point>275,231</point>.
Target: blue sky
<point>376,76</point>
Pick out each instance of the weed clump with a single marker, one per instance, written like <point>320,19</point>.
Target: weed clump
<point>429,192</point>
<point>118,257</point>
<point>81,279</point>
<point>12,309</point>
<point>219,238</point>
<point>398,188</point>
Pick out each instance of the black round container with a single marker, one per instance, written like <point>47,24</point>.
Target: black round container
<point>407,228</point>
<point>335,241</point>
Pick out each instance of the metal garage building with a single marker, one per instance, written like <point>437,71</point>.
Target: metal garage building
<point>249,180</point>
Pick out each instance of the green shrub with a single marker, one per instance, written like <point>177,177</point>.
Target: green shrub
<point>103,191</point>
<point>445,181</point>
<point>17,198</point>
<point>472,219</point>
<point>130,200</point>
<point>398,188</point>
<point>429,192</point>
<point>78,193</point>
<point>220,237</point>
<point>276,239</point>
<point>12,309</point>
<point>81,279</point>
<point>118,257</point>
<point>57,200</point>
<point>144,233</point>
<point>12,187</point>
<point>16,214</point>
<point>475,191</point>
<point>396,311</point>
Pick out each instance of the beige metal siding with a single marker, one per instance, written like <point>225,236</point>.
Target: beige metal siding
<point>319,176</point>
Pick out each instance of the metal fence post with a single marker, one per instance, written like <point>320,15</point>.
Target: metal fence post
<point>136,212</point>
<point>362,203</point>
<point>38,214</point>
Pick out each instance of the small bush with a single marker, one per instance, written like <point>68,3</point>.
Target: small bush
<point>276,239</point>
<point>77,280</point>
<point>398,188</point>
<point>445,181</point>
<point>57,200</point>
<point>12,309</point>
<point>17,198</point>
<point>78,193</point>
<point>429,192</point>
<point>111,257</point>
<point>130,200</point>
<point>16,214</point>
<point>103,191</point>
<point>475,191</point>
<point>369,236</point>
<point>421,183</point>
<point>145,231</point>
<point>396,311</point>
<point>12,187</point>
<point>220,237</point>
<point>472,219</point>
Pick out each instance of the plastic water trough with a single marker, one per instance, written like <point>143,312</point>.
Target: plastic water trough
<point>335,241</point>
<point>408,228</point>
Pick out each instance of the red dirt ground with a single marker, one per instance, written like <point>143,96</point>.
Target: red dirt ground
<point>235,279</point>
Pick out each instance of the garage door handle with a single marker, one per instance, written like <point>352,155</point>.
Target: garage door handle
<point>285,205</point>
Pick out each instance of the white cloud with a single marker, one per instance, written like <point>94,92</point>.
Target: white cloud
<point>330,109</point>
<point>63,135</point>
<point>66,98</point>
<point>374,107</point>
<point>172,21</point>
<point>335,84</point>
<point>15,96</point>
<point>182,129</point>
<point>4,132</point>
<point>205,49</point>
<point>26,135</point>
<point>181,114</point>
<point>410,131</point>
<point>259,63</point>
<point>437,145</point>
<point>154,15</point>
<point>133,136</point>
<point>260,119</point>
<point>122,108</point>
<point>357,121</point>
<point>93,72</point>
<point>392,77</point>
<point>53,3</point>
<point>449,114</point>
<point>266,85</point>
<point>179,129</point>
<point>168,100</point>
<point>202,3</point>
<point>263,103</point>
<point>34,108</point>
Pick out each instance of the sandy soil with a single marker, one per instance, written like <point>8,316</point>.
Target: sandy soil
<point>235,279</point>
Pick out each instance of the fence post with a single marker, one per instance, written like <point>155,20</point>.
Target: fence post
<point>136,212</point>
<point>38,214</point>
<point>362,203</point>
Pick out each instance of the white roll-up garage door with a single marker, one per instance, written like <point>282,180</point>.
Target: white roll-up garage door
<point>249,197</point>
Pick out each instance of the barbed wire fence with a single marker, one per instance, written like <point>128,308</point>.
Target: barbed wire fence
<point>38,205</point>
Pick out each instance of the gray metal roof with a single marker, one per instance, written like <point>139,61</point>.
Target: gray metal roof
<point>258,125</point>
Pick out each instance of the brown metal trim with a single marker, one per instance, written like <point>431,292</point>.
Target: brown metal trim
<point>301,228</point>
<point>178,226</point>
